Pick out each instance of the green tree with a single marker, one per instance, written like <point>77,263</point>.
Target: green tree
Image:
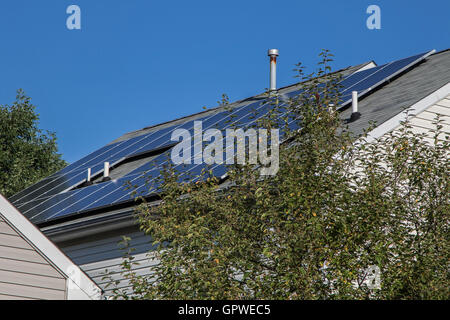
<point>337,207</point>
<point>27,153</point>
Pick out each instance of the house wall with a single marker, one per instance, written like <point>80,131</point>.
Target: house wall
<point>24,272</point>
<point>101,253</point>
<point>423,121</point>
<point>96,255</point>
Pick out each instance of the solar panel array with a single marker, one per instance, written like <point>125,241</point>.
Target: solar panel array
<point>57,196</point>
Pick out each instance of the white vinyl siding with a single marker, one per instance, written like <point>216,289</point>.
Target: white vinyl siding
<point>423,121</point>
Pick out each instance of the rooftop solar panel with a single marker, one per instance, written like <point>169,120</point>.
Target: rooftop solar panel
<point>112,192</point>
<point>367,80</point>
<point>55,197</point>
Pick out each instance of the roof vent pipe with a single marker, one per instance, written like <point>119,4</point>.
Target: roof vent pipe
<point>331,107</point>
<point>273,53</point>
<point>106,171</point>
<point>88,178</point>
<point>355,114</point>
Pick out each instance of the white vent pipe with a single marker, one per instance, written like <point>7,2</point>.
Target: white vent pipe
<point>106,170</point>
<point>354,101</point>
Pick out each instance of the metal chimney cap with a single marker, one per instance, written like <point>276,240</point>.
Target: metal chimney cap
<point>272,52</point>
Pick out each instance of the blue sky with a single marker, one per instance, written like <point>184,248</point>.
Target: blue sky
<point>141,62</point>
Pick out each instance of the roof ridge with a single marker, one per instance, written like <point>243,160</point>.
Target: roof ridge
<point>235,103</point>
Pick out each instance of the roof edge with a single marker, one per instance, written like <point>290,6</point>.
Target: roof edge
<point>416,108</point>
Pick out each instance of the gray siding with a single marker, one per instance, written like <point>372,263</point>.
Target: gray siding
<point>101,253</point>
<point>24,272</point>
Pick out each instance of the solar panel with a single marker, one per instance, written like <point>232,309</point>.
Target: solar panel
<point>63,179</point>
<point>367,80</point>
<point>82,199</point>
<point>89,158</point>
<point>55,197</point>
<point>111,193</point>
<point>75,173</point>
